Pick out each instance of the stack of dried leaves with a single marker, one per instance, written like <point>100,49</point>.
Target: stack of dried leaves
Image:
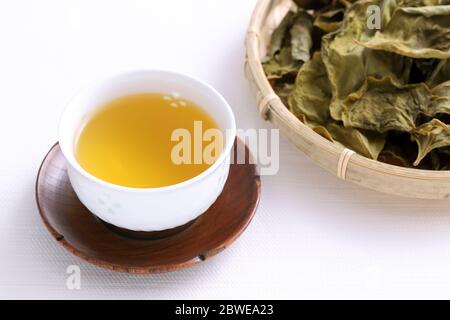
<point>383,93</point>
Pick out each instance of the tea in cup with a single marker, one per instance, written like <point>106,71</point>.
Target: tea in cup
<point>148,150</point>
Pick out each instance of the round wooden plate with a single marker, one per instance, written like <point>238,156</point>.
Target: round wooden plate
<point>80,232</point>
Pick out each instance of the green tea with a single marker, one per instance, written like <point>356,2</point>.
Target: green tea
<point>127,142</point>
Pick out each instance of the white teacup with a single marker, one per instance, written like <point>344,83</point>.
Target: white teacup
<point>149,209</point>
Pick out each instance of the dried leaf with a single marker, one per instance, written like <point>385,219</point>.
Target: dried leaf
<point>366,143</point>
<point>279,34</point>
<point>283,90</point>
<point>329,20</point>
<point>440,74</point>
<point>290,45</point>
<point>281,64</point>
<point>318,128</point>
<point>427,34</point>
<point>301,37</point>
<point>382,93</point>
<point>440,100</point>
<point>432,135</point>
<point>384,105</point>
<point>349,64</point>
<point>312,93</point>
<point>310,102</point>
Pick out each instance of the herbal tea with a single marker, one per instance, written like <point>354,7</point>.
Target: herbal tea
<point>128,142</point>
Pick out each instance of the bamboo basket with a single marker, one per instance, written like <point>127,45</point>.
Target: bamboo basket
<point>344,163</point>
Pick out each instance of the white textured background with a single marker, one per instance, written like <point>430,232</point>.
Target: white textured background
<point>313,235</point>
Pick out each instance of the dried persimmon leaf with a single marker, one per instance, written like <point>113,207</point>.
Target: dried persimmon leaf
<point>349,64</point>
<point>279,34</point>
<point>427,34</point>
<point>281,64</point>
<point>329,20</point>
<point>301,37</point>
<point>440,74</point>
<point>382,93</point>
<point>429,136</point>
<point>283,90</point>
<point>366,143</point>
<point>312,93</point>
<point>291,45</point>
<point>440,100</point>
<point>310,101</point>
<point>384,105</point>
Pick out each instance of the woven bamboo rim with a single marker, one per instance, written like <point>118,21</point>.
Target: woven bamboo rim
<point>344,163</point>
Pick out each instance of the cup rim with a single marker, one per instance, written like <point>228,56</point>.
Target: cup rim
<point>230,133</point>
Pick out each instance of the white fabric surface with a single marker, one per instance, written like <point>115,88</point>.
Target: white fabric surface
<point>313,236</point>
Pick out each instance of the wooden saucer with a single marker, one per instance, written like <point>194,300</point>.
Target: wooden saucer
<point>80,232</point>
